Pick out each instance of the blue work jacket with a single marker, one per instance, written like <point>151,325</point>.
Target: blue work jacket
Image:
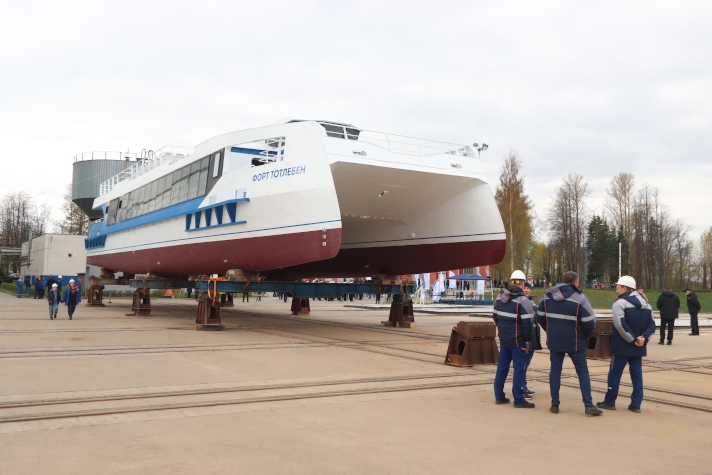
<point>513,314</point>
<point>632,317</point>
<point>567,317</point>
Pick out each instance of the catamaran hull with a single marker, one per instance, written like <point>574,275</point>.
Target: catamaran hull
<point>398,260</point>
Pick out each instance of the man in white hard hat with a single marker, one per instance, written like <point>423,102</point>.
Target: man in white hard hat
<point>53,297</point>
<point>568,319</point>
<point>513,314</point>
<point>633,326</point>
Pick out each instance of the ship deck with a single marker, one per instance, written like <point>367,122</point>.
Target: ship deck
<point>332,392</point>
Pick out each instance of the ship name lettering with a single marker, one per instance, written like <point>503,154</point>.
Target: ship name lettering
<point>280,173</point>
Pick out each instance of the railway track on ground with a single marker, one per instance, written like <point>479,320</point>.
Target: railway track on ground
<point>193,399</point>
<point>298,330</point>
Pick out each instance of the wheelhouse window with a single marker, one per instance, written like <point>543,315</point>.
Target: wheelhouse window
<point>340,131</point>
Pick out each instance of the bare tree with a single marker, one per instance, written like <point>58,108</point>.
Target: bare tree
<point>18,215</point>
<point>705,254</point>
<point>568,219</point>
<point>74,220</point>
<point>619,203</point>
<point>680,262</point>
<point>516,211</point>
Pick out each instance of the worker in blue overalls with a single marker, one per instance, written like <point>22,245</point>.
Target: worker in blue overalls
<point>19,282</point>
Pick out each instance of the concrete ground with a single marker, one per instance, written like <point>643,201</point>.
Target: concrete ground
<point>332,392</point>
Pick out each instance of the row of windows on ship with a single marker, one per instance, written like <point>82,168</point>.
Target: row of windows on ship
<point>193,180</point>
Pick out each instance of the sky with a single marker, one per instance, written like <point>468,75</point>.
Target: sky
<point>595,88</point>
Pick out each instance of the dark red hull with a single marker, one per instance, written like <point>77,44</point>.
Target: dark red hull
<point>304,256</point>
<point>398,260</point>
<point>217,257</point>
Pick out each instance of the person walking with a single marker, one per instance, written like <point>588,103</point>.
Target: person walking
<point>19,282</point>
<point>633,326</point>
<point>53,298</point>
<point>568,319</point>
<point>50,281</point>
<point>59,283</point>
<point>536,339</point>
<point>513,314</point>
<point>28,284</point>
<point>71,297</point>
<point>668,304</point>
<point>693,307</point>
<point>43,286</point>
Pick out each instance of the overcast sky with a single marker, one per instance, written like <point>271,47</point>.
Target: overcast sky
<point>590,87</point>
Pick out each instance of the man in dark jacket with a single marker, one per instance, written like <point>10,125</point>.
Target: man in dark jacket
<point>668,304</point>
<point>568,319</point>
<point>693,307</point>
<point>28,283</point>
<point>536,338</point>
<point>633,326</point>
<point>513,314</point>
<point>53,298</point>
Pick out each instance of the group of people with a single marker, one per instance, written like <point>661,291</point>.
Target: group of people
<point>669,305</point>
<point>568,319</point>
<point>71,296</point>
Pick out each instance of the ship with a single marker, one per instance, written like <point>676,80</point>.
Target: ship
<point>298,199</point>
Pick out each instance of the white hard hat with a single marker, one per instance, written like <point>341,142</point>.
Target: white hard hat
<point>71,280</point>
<point>626,281</point>
<point>54,285</point>
<point>59,276</point>
<point>518,275</point>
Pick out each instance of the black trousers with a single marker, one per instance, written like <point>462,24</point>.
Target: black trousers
<point>670,324</point>
<point>693,324</point>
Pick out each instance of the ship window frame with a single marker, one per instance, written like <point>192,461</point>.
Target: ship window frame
<point>350,135</point>
<point>335,131</point>
<point>217,164</point>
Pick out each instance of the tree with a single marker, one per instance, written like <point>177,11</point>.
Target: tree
<point>619,203</point>
<point>568,217</point>
<point>705,253</point>
<point>516,211</point>
<point>602,244</point>
<point>74,221</point>
<point>19,215</point>
<point>544,261</point>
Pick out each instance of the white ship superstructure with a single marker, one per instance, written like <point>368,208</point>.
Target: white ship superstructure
<point>298,199</point>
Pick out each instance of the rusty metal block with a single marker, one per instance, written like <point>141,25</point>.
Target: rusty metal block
<point>598,345</point>
<point>472,343</point>
<point>95,296</point>
<point>401,314</point>
<point>477,329</point>
<point>208,313</point>
<point>300,306</point>
<point>141,302</point>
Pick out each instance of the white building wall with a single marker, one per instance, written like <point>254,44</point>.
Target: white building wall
<point>56,254</point>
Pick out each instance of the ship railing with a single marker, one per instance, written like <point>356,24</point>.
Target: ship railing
<point>148,161</point>
<point>105,155</point>
<point>415,146</point>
